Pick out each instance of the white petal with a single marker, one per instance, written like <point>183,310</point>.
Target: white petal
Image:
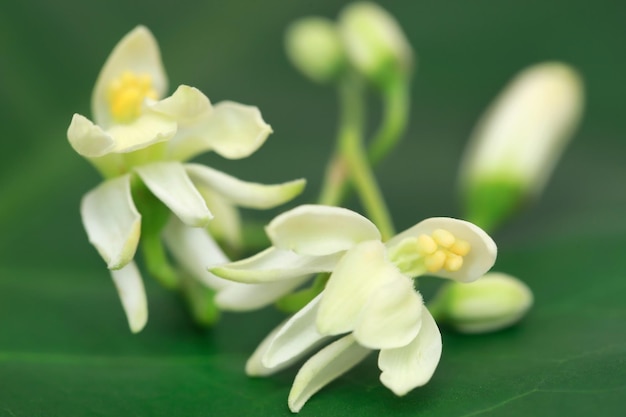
<point>362,271</point>
<point>133,295</point>
<point>227,226</point>
<point>146,130</point>
<point>275,265</point>
<point>88,139</point>
<point>254,365</point>
<point>112,222</point>
<point>476,263</point>
<point>245,194</point>
<point>233,130</point>
<point>237,296</point>
<point>324,367</point>
<point>170,183</point>
<point>194,251</point>
<point>187,105</point>
<point>392,317</point>
<point>295,337</point>
<point>137,52</point>
<point>320,230</point>
<point>413,365</point>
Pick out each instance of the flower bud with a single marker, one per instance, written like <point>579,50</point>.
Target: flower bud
<point>375,43</point>
<point>314,47</point>
<point>494,302</point>
<point>518,141</point>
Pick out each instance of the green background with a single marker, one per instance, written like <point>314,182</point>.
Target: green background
<point>65,349</point>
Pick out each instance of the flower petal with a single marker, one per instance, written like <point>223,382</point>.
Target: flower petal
<point>295,337</point>
<point>88,139</point>
<point>413,365</point>
<point>320,230</point>
<point>476,263</point>
<point>233,130</point>
<point>237,296</point>
<point>146,130</point>
<point>169,182</point>
<point>362,271</point>
<point>133,295</point>
<point>245,194</point>
<point>275,265</point>
<point>187,105</point>
<point>111,221</point>
<point>194,251</point>
<point>137,52</point>
<point>228,226</point>
<point>324,367</point>
<point>392,317</point>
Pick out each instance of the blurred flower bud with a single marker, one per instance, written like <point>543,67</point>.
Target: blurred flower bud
<point>492,303</point>
<point>518,141</point>
<point>375,43</point>
<point>314,47</point>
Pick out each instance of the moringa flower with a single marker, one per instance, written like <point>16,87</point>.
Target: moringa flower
<point>369,297</point>
<point>138,142</point>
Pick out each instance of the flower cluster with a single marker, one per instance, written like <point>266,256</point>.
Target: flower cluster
<point>138,142</point>
<point>369,298</point>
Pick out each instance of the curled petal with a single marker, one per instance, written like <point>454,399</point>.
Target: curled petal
<point>112,221</point>
<point>195,251</point>
<point>275,265</point>
<point>476,263</point>
<point>187,105</point>
<point>392,317</point>
<point>320,230</point>
<point>236,296</point>
<point>295,337</point>
<point>244,194</point>
<point>169,182</point>
<point>324,367</point>
<point>413,365</point>
<point>133,295</point>
<point>137,52</point>
<point>88,139</point>
<point>362,271</point>
<point>233,130</point>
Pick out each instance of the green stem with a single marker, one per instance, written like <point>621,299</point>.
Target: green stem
<point>156,259</point>
<point>353,153</point>
<point>395,118</point>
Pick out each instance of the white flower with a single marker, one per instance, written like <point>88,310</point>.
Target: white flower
<point>140,139</point>
<point>369,297</point>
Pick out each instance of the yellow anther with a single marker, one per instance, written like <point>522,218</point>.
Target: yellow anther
<point>460,247</point>
<point>426,245</point>
<point>453,262</point>
<point>435,261</point>
<point>127,93</point>
<point>443,238</point>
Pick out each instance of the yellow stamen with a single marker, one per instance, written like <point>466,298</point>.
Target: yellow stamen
<point>426,245</point>
<point>127,93</point>
<point>460,247</point>
<point>435,261</point>
<point>453,262</point>
<point>443,238</point>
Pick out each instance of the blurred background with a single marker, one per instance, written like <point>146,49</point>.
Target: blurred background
<point>64,345</point>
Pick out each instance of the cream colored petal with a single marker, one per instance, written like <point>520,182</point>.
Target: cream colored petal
<point>275,265</point>
<point>133,295</point>
<point>233,130</point>
<point>237,296</point>
<point>392,317</point>
<point>88,139</point>
<point>413,365</point>
<point>320,230</point>
<point>187,105</point>
<point>296,336</point>
<point>169,182</point>
<point>324,367</point>
<point>362,271</point>
<point>195,251</point>
<point>112,221</point>
<point>137,52</point>
<point>476,263</point>
<point>244,194</point>
<point>146,130</point>
<point>227,226</point>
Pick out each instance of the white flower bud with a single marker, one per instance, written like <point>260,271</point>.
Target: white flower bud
<point>494,302</point>
<point>518,141</point>
<point>314,47</point>
<point>375,43</point>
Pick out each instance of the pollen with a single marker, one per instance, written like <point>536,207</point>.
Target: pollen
<point>442,250</point>
<point>127,93</point>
